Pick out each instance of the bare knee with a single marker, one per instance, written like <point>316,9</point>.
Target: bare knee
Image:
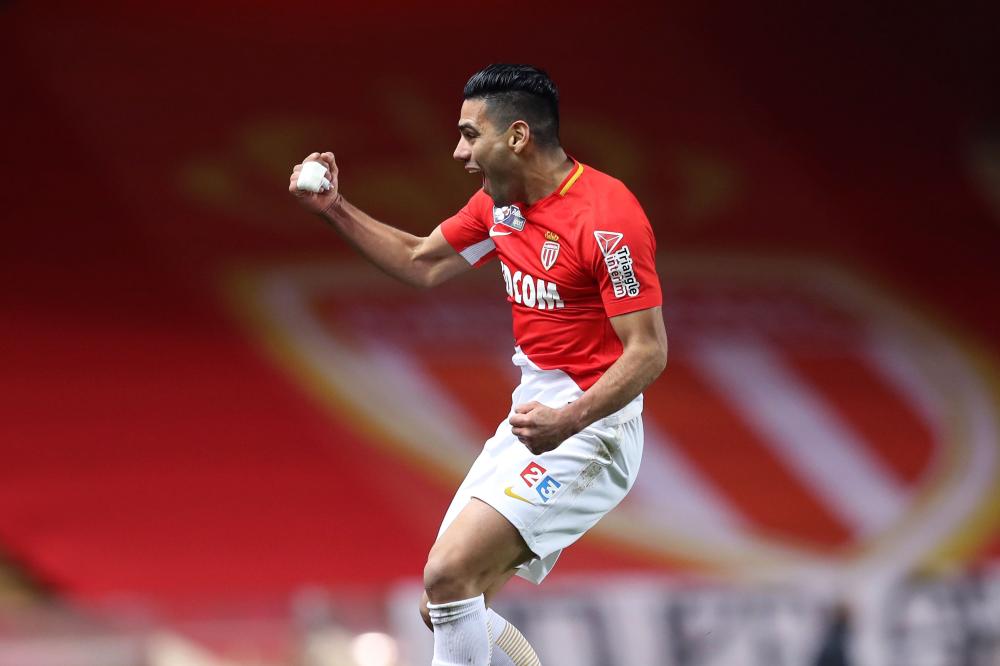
<point>477,549</point>
<point>493,588</point>
<point>449,577</point>
<point>425,614</point>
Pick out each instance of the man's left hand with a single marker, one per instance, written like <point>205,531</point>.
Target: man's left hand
<point>541,428</point>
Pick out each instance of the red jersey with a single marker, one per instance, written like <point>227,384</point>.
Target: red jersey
<point>569,262</point>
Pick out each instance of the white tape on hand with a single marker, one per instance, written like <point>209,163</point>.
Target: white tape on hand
<point>313,178</point>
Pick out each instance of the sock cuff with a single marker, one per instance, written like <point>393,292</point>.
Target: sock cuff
<point>454,610</point>
<point>495,622</point>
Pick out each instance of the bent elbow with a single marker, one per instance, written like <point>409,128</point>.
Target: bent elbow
<point>422,281</point>
<point>421,273</point>
<point>427,277</point>
<point>658,360</point>
<point>661,362</point>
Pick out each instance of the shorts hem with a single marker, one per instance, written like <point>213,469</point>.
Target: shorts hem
<point>522,529</point>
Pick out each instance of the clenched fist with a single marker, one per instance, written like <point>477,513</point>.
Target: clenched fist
<point>541,428</point>
<point>317,202</point>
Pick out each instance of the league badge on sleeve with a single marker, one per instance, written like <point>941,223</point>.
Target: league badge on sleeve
<point>550,250</point>
<point>619,263</point>
<point>509,216</point>
<point>608,241</point>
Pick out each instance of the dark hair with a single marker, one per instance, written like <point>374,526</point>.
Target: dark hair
<point>519,92</point>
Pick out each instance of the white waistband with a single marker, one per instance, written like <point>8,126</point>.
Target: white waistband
<point>554,388</point>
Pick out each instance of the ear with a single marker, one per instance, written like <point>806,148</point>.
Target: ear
<point>518,136</point>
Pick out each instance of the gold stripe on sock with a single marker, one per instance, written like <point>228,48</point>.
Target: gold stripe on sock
<point>517,647</point>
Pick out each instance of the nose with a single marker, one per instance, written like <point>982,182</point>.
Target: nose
<point>463,152</point>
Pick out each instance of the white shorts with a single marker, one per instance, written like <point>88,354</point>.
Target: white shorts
<point>553,498</point>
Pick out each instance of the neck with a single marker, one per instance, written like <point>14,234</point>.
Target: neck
<point>544,174</point>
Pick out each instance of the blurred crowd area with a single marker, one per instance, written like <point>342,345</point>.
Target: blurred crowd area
<point>610,621</point>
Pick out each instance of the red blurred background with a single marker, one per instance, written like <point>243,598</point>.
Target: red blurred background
<point>165,434</point>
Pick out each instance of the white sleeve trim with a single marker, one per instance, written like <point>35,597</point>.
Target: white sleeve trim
<point>474,253</point>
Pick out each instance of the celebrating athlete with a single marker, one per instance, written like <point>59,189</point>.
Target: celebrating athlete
<point>577,260</point>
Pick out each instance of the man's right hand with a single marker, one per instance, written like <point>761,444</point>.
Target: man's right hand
<point>316,202</point>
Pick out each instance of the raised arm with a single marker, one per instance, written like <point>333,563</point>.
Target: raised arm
<point>421,262</point>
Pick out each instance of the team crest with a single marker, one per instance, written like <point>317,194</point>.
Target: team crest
<point>509,216</point>
<point>550,250</point>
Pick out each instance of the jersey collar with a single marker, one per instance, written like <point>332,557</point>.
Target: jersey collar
<point>573,176</point>
<point>564,187</point>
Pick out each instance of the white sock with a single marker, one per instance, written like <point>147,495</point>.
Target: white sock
<point>509,646</point>
<point>461,636</point>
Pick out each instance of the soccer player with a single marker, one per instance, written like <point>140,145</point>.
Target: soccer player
<point>577,261</point>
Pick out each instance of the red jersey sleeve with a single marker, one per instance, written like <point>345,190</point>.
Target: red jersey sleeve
<point>468,230</point>
<point>624,258</point>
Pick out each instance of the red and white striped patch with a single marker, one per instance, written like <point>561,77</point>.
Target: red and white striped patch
<point>550,252</point>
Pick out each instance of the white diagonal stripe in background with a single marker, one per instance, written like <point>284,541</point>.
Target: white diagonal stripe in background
<point>794,421</point>
<point>679,495</point>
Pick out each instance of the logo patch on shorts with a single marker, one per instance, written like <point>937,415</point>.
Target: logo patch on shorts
<point>547,488</point>
<point>509,492</point>
<point>534,476</point>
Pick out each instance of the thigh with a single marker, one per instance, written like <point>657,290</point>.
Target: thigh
<point>552,498</point>
<point>480,474</point>
<point>481,544</point>
<point>498,584</point>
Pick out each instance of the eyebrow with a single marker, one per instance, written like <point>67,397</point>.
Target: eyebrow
<point>466,124</point>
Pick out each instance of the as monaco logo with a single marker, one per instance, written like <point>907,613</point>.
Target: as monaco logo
<point>810,423</point>
<point>550,250</point>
